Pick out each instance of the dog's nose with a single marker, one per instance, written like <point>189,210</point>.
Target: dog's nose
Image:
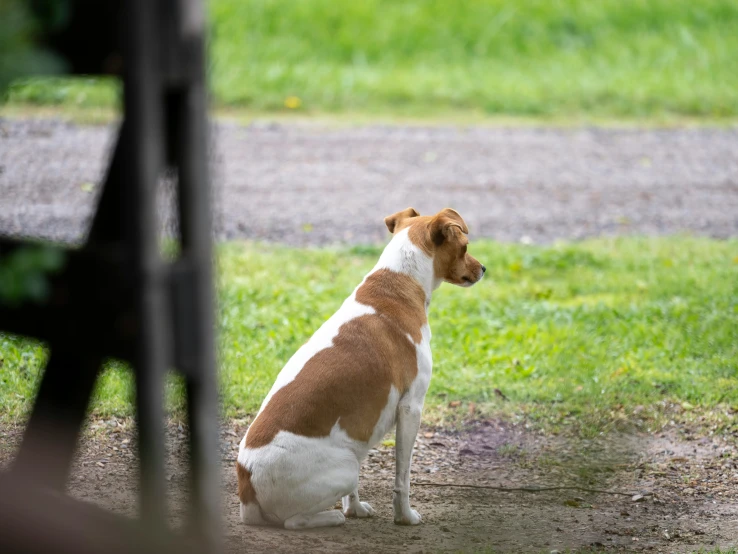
<point>484,269</point>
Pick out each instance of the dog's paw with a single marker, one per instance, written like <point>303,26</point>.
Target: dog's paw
<point>362,510</point>
<point>411,518</point>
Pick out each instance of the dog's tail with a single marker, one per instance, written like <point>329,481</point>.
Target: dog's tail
<point>250,509</point>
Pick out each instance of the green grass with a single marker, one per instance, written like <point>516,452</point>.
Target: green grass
<point>583,332</point>
<point>539,58</point>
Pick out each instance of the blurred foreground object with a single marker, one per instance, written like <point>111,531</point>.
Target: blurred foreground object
<point>20,55</point>
<point>115,296</point>
<point>83,33</point>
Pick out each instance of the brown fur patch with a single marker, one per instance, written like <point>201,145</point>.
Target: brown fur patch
<point>452,216</point>
<point>398,297</point>
<point>246,492</point>
<point>349,382</point>
<point>420,234</point>
<point>392,221</point>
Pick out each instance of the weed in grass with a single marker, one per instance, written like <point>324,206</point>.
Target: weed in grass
<point>510,450</point>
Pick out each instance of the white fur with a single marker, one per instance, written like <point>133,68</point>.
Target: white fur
<point>303,475</point>
<point>403,256</point>
<point>329,518</point>
<point>353,507</point>
<point>409,410</point>
<point>251,514</point>
<point>298,478</point>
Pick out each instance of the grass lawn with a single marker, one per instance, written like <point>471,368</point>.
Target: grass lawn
<point>577,332</point>
<point>544,59</point>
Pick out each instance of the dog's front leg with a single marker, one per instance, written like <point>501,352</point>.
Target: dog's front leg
<point>408,423</point>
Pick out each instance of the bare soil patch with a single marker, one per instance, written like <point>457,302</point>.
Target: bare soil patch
<point>689,481</point>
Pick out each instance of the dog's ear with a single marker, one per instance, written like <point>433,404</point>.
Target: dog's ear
<point>393,221</point>
<point>446,224</point>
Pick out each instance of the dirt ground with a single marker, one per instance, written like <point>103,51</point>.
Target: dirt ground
<point>689,485</point>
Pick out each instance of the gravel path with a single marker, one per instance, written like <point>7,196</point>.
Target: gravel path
<point>304,184</point>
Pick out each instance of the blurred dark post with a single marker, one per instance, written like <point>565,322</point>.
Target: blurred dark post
<point>116,296</point>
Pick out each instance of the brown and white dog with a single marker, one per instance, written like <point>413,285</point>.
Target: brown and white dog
<point>364,371</point>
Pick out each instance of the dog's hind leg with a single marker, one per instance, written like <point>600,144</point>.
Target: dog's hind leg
<point>353,507</point>
<point>320,493</point>
<point>250,510</point>
<point>251,514</point>
<point>329,518</point>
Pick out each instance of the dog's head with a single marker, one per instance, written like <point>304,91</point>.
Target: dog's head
<point>443,237</point>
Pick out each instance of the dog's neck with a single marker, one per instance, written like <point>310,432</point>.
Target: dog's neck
<point>403,256</point>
